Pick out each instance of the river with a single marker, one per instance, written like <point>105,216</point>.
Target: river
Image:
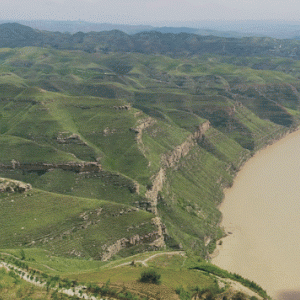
<point>261,213</point>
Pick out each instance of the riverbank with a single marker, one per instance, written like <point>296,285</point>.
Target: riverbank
<point>261,217</point>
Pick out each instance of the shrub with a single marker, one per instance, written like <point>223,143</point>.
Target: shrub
<point>22,254</point>
<point>239,296</point>
<point>150,276</point>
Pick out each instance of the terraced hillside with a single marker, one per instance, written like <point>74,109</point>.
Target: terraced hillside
<point>167,135</point>
<point>127,152</point>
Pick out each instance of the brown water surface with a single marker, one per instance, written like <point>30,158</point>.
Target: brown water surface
<point>262,211</point>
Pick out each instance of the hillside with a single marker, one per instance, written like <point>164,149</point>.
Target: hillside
<point>124,153</point>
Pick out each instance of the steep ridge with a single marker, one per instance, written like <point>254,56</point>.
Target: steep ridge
<point>170,160</point>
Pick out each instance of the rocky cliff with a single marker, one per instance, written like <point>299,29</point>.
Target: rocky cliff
<point>154,240</point>
<point>170,160</point>
<point>142,124</point>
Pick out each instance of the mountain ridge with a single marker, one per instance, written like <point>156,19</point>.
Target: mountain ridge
<point>148,42</point>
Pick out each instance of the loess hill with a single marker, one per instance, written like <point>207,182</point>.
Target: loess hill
<point>166,133</point>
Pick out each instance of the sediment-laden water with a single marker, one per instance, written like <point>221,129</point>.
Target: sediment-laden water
<point>262,213</point>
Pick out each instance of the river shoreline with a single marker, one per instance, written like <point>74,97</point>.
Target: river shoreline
<point>257,219</point>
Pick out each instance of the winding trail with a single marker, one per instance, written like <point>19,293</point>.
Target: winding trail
<point>144,262</point>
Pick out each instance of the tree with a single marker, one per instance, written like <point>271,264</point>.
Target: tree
<point>150,276</point>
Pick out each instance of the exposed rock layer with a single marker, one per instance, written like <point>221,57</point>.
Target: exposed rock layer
<point>44,167</point>
<point>155,240</point>
<point>170,160</point>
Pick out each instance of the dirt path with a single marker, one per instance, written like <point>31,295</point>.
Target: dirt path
<point>236,286</point>
<point>144,262</point>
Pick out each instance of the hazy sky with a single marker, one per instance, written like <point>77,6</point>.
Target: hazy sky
<point>149,11</point>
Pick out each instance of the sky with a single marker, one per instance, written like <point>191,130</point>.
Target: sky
<point>149,11</point>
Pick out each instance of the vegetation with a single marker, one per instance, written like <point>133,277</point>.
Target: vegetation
<point>11,287</point>
<point>212,269</point>
<point>150,276</point>
<point>170,133</point>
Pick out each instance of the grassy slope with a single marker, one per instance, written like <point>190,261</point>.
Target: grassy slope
<point>181,276</point>
<point>51,94</point>
<point>13,288</point>
<point>38,218</point>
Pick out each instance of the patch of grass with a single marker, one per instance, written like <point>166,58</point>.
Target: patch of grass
<point>37,218</point>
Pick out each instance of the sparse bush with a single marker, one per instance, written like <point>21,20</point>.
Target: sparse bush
<point>239,296</point>
<point>150,276</point>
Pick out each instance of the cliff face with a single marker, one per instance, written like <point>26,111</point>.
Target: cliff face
<point>154,240</point>
<point>157,186</point>
<point>142,124</point>
<point>170,160</point>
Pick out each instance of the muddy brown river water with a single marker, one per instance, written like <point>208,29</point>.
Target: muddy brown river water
<point>262,213</point>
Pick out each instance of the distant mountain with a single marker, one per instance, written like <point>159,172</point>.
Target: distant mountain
<point>262,28</point>
<point>205,32</point>
<point>237,29</point>
<point>82,26</point>
<point>16,35</point>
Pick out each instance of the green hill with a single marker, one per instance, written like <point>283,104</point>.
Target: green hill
<point>130,152</point>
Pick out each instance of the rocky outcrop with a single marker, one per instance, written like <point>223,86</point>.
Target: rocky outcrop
<point>69,139</point>
<point>122,107</point>
<point>157,186</point>
<point>169,160</point>
<point>141,125</point>
<point>90,167</point>
<point>11,186</point>
<point>154,239</point>
<point>160,241</point>
<point>107,131</point>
